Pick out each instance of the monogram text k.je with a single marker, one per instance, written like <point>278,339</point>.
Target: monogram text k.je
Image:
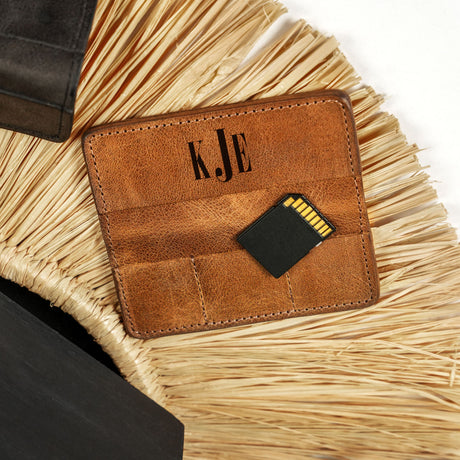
<point>225,174</point>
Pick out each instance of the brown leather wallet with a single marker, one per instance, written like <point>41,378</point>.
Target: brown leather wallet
<point>174,191</point>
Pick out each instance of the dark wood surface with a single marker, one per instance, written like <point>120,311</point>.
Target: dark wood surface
<point>57,319</point>
<point>57,402</point>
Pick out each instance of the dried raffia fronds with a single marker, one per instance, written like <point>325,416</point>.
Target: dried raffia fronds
<point>377,383</point>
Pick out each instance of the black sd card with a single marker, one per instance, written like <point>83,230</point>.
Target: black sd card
<point>285,234</point>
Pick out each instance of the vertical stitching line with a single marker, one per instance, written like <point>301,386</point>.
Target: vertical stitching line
<point>116,267</point>
<point>358,196</point>
<point>290,290</point>
<point>195,272</point>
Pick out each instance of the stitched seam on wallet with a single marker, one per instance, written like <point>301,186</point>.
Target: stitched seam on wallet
<point>195,272</point>
<point>116,269</point>
<point>288,278</point>
<point>245,112</point>
<point>358,196</point>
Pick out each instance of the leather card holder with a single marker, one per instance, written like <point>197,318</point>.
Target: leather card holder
<point>173,192</point>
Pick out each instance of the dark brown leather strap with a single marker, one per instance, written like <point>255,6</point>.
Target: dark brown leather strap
<point>42,44</point>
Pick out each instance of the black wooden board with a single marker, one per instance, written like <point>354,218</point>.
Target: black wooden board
<point>57,402</point>
<point>57,319</point>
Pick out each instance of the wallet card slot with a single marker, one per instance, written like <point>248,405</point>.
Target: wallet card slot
<point>336,269</point>
<point>212,290</point>
<point>205,155</point>
<point>301,290</point>
<point>208,226</point>
<point>163,299</point>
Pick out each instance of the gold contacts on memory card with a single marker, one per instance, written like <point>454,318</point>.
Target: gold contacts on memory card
<point>285,233</point>
<point>311,215</point>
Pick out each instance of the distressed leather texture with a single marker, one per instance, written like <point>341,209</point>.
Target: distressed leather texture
<point>42,44</point>
<point>171,207</point>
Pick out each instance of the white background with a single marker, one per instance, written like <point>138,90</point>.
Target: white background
<point>409,51</point>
